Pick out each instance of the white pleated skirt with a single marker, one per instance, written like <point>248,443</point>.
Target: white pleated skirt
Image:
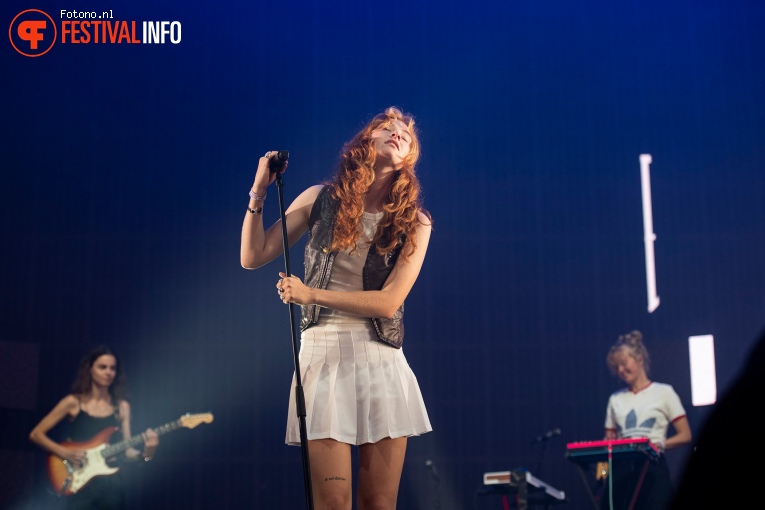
<point>357,390</point>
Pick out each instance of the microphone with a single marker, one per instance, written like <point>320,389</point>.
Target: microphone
<point>547,435</point>
<point>432,467</point>
<point>278,161</point>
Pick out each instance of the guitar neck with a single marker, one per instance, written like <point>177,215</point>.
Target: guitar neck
<point>114,449</point>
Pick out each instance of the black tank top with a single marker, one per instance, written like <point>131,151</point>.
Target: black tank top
<point>84,426</point>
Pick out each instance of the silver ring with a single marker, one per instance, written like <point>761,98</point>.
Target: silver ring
<point>281,290</point>
<point>268,154</point>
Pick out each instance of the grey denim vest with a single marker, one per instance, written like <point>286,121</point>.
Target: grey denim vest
<point>318,266</point>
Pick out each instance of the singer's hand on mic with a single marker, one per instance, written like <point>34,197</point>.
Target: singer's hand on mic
<point>292,290</point>
<point>264,175</point>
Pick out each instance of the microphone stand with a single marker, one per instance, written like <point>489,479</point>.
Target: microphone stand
<point>434,480</point>
<point>299,397</point>
<point>540,457</point>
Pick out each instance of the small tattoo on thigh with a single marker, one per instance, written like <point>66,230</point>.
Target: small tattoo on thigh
<point>330,478</point>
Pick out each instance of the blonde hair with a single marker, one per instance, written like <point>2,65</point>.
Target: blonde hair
<point>355,174</point>
<point>632,342</point>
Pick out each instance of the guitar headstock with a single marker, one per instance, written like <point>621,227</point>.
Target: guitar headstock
<point>192,420</point>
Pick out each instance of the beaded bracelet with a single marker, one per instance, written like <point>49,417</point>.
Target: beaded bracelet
<point>255,196</point>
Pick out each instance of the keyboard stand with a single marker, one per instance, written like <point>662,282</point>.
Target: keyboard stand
<point>529,491</point>
<point>584,453</point>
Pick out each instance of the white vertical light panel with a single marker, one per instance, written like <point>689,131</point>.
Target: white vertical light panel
<point>648,235</point>
<point>701,349</point>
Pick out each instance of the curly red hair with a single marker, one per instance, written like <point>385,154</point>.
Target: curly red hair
<point>355,174</point>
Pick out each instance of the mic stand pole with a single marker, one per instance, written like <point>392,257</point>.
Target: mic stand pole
<point>299,397</point>
<point>540,456</point>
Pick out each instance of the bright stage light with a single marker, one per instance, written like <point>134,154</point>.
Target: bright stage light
<point>701,349</point>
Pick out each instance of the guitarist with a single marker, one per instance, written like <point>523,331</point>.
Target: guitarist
<point>98,400</point>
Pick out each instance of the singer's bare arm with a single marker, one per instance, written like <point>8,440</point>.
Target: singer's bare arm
<point>259,246</point>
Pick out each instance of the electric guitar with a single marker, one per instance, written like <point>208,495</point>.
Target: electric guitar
<point>67,479</point>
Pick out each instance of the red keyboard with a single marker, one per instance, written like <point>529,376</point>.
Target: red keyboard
<point>585,452</point>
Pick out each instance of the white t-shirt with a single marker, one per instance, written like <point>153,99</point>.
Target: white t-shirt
<point>646,413</point>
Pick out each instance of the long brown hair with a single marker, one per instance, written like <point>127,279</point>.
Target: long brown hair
<point>83,381</point>
<point>355,174</point>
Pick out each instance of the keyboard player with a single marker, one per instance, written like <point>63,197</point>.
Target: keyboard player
<point>643,408</point>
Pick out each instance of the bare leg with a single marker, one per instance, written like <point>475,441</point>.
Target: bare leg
<point>380,466</point>
<point>331,477</point>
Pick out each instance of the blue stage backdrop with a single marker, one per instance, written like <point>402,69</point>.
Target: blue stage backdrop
<point>126,168</point>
